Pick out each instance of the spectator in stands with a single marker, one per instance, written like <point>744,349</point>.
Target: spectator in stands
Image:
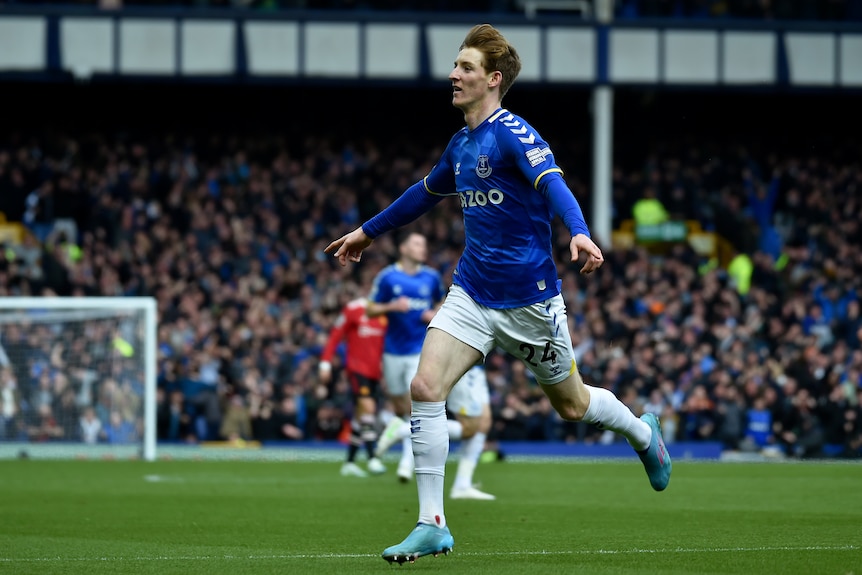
<point>286,420</point>
<point>120,431</point>
<point>328,423</point>
<point>648,210</point>
<point>39,212</point>
<point>44,392</point>
<point>68,414</point>
<point>761,204</point>
<point>236,423</point>
<point>202,399</point>
<point>263,424</point>
<point>700,415</point>
<point>91,431</point>
<point>758,430</point>
<point>173,419</point>
<point>44,426</point>
<point>9,402</point>
<point>731,415</point>
<point>740,270</point>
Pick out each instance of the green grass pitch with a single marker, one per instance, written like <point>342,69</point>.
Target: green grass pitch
<point>214,517</point>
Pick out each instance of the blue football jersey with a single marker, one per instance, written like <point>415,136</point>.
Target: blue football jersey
<point>406,330</point>
<point>495,170</point>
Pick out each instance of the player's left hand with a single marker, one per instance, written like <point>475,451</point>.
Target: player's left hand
<point>349,247</point>
<point>595,259</point>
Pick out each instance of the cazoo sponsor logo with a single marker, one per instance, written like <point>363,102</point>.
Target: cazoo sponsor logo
<point>473,198</point>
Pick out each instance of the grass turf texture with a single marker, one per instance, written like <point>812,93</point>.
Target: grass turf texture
<point>210,518</point>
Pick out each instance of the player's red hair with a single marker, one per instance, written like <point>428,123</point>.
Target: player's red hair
<point>497,53</point>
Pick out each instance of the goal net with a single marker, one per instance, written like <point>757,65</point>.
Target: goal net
<point>78,377</point>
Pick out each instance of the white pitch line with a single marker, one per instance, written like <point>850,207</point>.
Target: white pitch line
<point>467,554</point>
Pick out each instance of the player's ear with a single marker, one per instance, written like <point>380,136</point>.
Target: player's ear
<point>496,79</point>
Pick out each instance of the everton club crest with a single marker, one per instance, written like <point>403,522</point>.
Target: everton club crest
<point>483,166</point>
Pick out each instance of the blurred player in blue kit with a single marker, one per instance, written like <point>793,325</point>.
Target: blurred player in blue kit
<point>407,292</point>
<point>505,288</point>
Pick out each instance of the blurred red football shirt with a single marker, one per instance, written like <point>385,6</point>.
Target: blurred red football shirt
<point>364,338</point>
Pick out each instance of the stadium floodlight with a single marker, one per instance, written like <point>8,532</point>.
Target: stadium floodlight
<point>78,376</point>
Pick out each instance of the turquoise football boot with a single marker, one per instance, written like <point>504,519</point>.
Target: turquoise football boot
<point>423,540</point>
<point>655,458</point>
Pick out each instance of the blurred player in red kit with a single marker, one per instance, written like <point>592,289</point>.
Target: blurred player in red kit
<point>364,340</point>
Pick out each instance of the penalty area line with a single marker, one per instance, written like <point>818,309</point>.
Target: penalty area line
<point>292,556</point>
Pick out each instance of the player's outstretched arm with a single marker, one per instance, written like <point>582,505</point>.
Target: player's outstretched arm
<point>415,201</point>
<point>349,247</point>
<point>582,243</point>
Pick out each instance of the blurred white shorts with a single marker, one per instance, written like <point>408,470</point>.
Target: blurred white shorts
<point>470,394</point>
<point>398,372</point>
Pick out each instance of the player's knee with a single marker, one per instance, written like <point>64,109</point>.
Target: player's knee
<point>571,411</point>
<point>424,389</point>
<point>469,427</point>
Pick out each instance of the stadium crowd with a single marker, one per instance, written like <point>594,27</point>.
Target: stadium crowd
<point>228,234</point>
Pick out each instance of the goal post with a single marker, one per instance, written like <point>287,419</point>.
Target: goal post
<point>78,376</point>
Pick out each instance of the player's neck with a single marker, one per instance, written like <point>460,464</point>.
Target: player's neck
<point>480,112</point>
<point>409,266</point>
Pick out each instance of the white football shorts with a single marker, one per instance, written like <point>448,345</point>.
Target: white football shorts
<point>537,334</point>
<point>398,371</point>
<point>470,395</point>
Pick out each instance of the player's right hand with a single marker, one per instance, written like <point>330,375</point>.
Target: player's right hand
<point>349,247</point>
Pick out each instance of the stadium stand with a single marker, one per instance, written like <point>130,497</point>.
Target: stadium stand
<point>226,228</point>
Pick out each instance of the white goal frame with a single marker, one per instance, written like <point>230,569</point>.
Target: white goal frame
<point>147,305</point>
